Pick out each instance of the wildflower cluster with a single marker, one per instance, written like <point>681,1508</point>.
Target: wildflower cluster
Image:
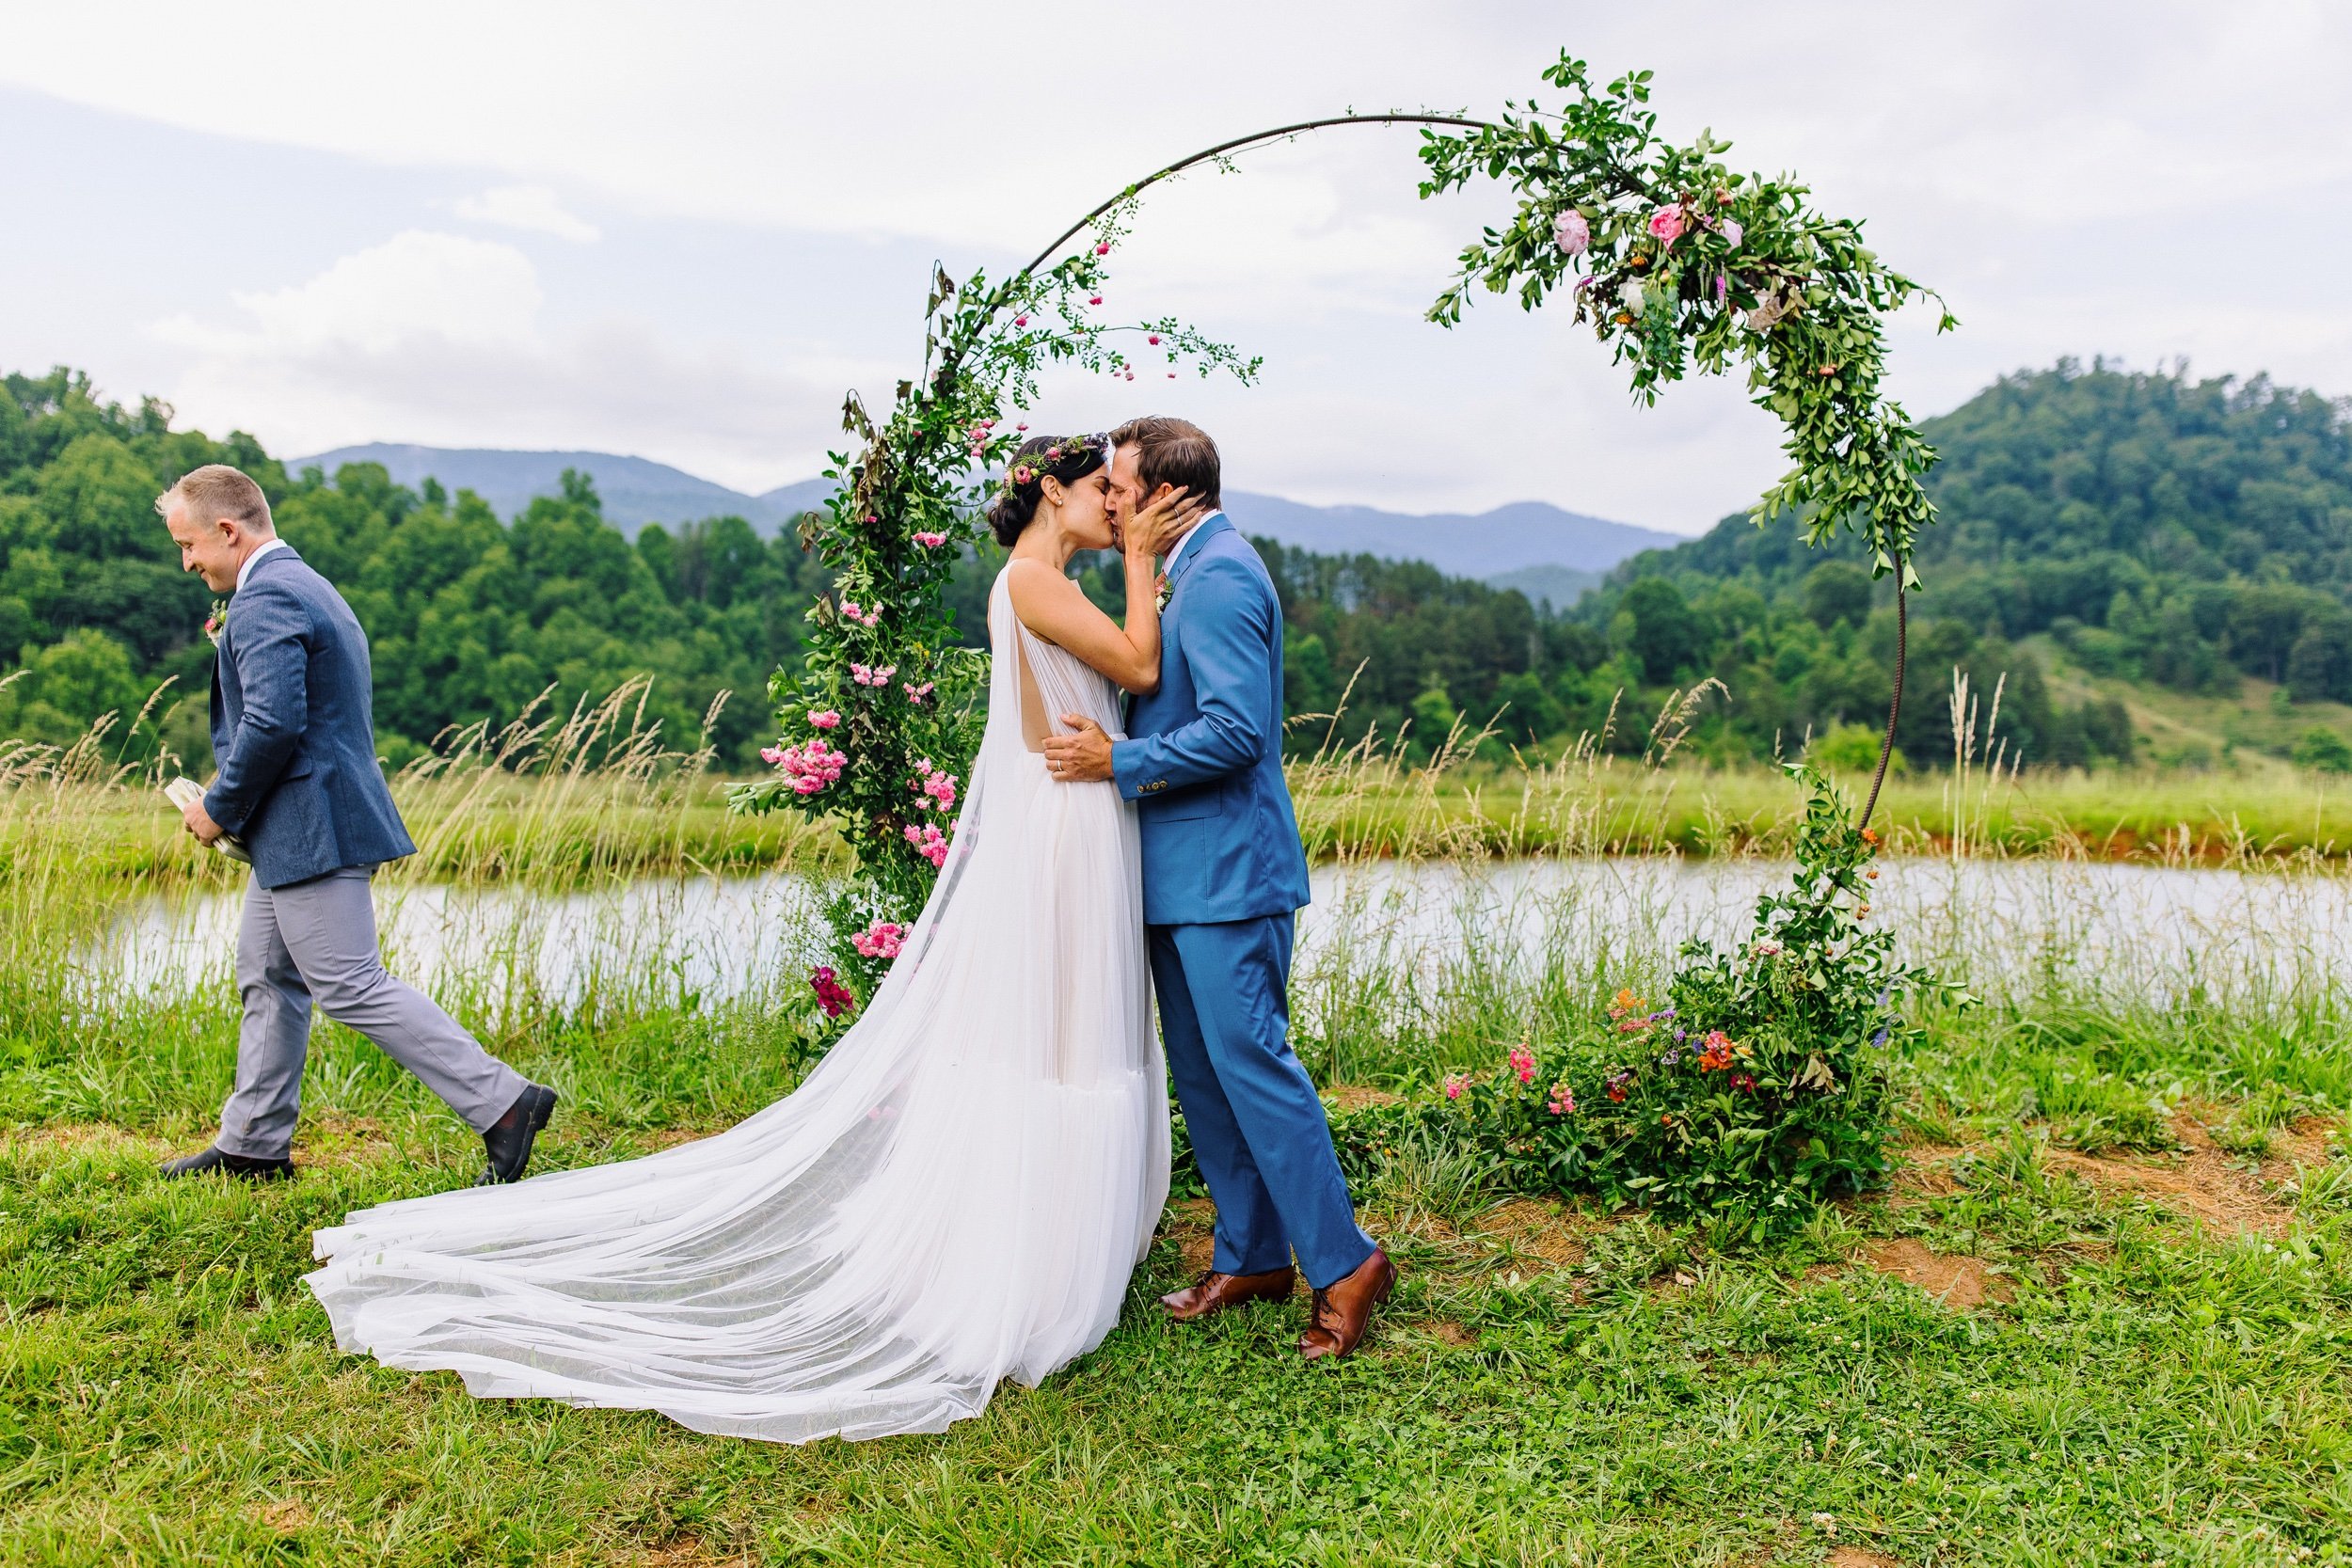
<point>1758,1092</point>
<point>832,995</point>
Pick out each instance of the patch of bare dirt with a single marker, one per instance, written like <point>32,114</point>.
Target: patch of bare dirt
<point>285,1515</point>
<point>1962,1283</point>
<point>1190,1223</point>
<point>2304,1143</point>
<point>1923,1170</point>
<point>75,1137</point>
<point>1549,1231</point>
<point>1854,1557</point>
<point>2201,1183</point>
<point>687,1552</point>
<point>1355,1097</point>
<point>1448,1332</point>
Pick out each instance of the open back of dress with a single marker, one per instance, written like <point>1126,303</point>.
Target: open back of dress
<point>956,1194</point>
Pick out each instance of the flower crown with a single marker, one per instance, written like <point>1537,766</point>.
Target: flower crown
<point>1065,450</point>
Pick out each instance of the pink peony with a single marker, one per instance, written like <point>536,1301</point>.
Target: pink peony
<point>1667,224</point>
<point>929,842</point>
<point>884,938</point>
<point>1731,232</point>
<point>1571,232</point>
<point>810,767</point>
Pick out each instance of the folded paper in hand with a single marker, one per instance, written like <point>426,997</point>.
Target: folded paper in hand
<point>185,792</point>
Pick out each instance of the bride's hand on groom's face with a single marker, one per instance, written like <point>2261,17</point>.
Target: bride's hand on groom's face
<point>1162,522</point>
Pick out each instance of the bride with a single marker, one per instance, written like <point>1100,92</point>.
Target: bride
<point>959,1191</point>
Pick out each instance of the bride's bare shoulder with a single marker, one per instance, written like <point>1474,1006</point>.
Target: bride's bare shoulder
<point>1036,589</point>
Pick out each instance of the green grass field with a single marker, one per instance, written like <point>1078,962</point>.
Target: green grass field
<point>2102,1315</point>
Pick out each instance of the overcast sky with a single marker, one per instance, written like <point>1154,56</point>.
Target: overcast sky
<point>680,232</point>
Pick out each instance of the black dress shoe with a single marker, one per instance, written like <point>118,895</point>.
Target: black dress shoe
<point>244,1167</point>
<point>509,1141</point>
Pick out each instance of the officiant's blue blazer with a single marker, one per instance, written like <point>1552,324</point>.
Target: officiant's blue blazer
<point>1204,763</point>
<point>293,730</point>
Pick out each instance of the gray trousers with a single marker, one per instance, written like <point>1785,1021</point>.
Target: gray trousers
<point>316,941</point>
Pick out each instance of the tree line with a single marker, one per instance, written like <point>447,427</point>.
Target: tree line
<point>2180,533</point>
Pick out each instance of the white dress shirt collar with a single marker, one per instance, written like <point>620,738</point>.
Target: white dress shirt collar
<point>246,570</point>
<point>1190,534</point>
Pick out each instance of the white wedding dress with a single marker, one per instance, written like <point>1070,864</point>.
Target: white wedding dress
<point>957,1194</point>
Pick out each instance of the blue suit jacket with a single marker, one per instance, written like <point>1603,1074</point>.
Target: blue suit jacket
<point>293,730</point>
<point>1204,766</point>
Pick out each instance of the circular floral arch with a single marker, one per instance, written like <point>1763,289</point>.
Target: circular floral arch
<point>1778,1096</point>
<point>1675,262</point>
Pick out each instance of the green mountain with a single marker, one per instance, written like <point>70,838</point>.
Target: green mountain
<point>2146,535</point>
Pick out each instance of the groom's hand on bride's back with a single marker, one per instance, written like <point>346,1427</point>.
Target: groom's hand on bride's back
<point>1083,757</point>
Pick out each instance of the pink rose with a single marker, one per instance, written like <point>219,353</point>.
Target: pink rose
<point>1667,224</point>
<point>930,540</point>
<point>1571,234</point>
<point>824,719</point>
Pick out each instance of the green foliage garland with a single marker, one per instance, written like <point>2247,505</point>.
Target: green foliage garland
<point>1677,262</point>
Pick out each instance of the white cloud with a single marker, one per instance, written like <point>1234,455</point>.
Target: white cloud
<point>2078,178</point>
<point>416,285</point>
<point>533,207</point>
<point>437,339</point>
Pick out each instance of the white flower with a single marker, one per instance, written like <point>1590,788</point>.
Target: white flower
<point>1629,296</point>
<point>1731,232</point>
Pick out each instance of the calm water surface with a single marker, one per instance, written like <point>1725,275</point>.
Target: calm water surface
<point>2129,928</point>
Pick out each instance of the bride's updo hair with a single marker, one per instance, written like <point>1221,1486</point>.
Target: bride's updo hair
<point>1068,458</point>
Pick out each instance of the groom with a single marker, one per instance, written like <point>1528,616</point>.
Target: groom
<point>294,734</point>
<point>1224,876</point>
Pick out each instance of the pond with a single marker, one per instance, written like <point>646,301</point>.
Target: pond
<point>2117,929</point>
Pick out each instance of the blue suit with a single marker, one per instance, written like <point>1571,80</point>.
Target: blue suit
<point>293,731</point>
<point>1224,876</point>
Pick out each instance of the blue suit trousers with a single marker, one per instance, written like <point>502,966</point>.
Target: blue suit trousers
<point>1258,1129</point>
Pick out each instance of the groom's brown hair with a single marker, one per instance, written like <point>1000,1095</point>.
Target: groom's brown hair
<point>1172,451</point>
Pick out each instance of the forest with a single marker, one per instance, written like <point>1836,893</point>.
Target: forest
<point>2140,527</point>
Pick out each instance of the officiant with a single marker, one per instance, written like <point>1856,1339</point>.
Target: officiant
<point>293,741</point>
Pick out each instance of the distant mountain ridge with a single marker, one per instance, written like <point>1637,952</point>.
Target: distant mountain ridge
<point>1543,550</point>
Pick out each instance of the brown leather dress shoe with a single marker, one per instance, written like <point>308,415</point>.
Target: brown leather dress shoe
<point>1343,1307</point>
<point>1214,1292</point>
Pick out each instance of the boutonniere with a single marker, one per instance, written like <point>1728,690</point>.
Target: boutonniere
<point>1161,596</point>
<point>216,621</point>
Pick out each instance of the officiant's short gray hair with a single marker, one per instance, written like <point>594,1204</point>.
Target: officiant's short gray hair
<point>216,491</point>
